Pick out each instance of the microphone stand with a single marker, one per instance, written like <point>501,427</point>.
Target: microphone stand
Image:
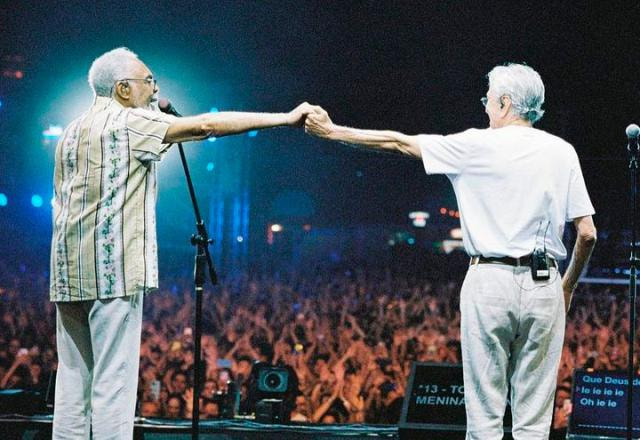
<point>633,275</point>
<point>202,262</point>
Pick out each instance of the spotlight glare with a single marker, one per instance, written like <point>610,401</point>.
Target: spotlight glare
<point>419,218</point>
<point>240,238</point>
<point>210,166</point>
<point>4,201</point>
<point>214,110</point>
<point>276,228</point>
<point>53,132</point>
<point>36,200</point>
<point>252,133</point>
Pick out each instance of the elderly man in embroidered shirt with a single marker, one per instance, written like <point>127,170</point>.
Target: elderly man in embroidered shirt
<point>104,255</point>
<point>516,187</point>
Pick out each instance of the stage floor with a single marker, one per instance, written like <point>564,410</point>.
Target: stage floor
<point>38,427</point>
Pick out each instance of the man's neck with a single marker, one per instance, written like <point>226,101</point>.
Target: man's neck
<point>521,122</point>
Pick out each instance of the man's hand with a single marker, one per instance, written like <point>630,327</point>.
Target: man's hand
<point>298,115</point>
<point>318,123</point>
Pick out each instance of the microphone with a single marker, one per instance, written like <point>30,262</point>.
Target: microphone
<point>165,106</point>
<point>633,131</point>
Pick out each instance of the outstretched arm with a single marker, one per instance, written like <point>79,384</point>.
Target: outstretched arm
<point>226,123</point>
<point>319,124</point>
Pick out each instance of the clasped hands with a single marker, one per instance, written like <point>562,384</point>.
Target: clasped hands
<point>315,119</point>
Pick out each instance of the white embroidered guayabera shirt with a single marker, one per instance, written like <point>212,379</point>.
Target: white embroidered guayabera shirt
<point>104,233</point>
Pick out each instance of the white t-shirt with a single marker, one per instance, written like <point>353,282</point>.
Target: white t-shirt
<point>512,184</point>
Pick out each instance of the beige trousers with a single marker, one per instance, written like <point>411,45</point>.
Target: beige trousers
<point>98,358</point>
<point>512,331</point>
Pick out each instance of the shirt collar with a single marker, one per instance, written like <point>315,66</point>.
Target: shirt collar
<point>104,102</point>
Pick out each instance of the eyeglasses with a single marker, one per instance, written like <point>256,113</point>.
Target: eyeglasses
<point>149,80</point>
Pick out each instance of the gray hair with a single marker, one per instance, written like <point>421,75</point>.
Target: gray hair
<point>110,67</point>
<point>523,85</point>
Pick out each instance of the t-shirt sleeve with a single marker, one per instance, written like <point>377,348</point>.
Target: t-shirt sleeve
<point>446,154</point>
<point>578,202</point>
<point>146,130</point>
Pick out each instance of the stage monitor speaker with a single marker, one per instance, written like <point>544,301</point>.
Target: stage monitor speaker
<point>273,380</point>
<point>433,406</point>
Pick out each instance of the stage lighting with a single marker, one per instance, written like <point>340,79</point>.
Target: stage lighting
<point>252,133</point>
<point>210,166</point>
<point>276,228</point>
<point>212,139</point>
<point>36,200</point>
<point>419,218</point>
<point>240,238</point>
<point>53,132</point>
<point>4,201</point>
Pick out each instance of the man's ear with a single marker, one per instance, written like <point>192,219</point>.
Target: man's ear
<point>505,104</point>
<point>122,90</point>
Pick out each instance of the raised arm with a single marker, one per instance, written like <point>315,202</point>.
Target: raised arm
<point>226,123</point>
<point>585,242</point>
<point>319,124</point>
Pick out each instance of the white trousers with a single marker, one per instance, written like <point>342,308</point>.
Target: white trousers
<point>512,331</point>
<point>98,358</point>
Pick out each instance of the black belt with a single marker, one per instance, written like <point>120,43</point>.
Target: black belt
<point>510,261</point>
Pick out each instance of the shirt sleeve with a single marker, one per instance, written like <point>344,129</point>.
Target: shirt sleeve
<point>578,202</point>
<point>146,130</point>
<point>446,154</point>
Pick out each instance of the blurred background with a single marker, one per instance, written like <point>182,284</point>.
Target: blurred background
<point>416,67</point>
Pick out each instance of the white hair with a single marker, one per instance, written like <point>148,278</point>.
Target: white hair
<point>523,85</point>
<point>110,67</point>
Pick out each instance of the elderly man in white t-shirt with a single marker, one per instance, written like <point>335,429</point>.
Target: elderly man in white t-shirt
<point>516,188</point>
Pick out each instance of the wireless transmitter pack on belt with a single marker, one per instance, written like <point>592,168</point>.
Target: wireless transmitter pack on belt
<point>539,260</point>
<point>539,265</point>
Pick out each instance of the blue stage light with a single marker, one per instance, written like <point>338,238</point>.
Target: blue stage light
<point>214,110</point>
<point>53,132</point>
<point>4,201</point>
<point>210,166</point>
<point>212,139</point>
<point>253,133</point>
<point>36,200</point>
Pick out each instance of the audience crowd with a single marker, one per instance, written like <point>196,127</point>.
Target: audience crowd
<point>350,337</point>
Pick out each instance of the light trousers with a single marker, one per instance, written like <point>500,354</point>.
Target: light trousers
<point>98,357</point>
<point>512,331</point>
